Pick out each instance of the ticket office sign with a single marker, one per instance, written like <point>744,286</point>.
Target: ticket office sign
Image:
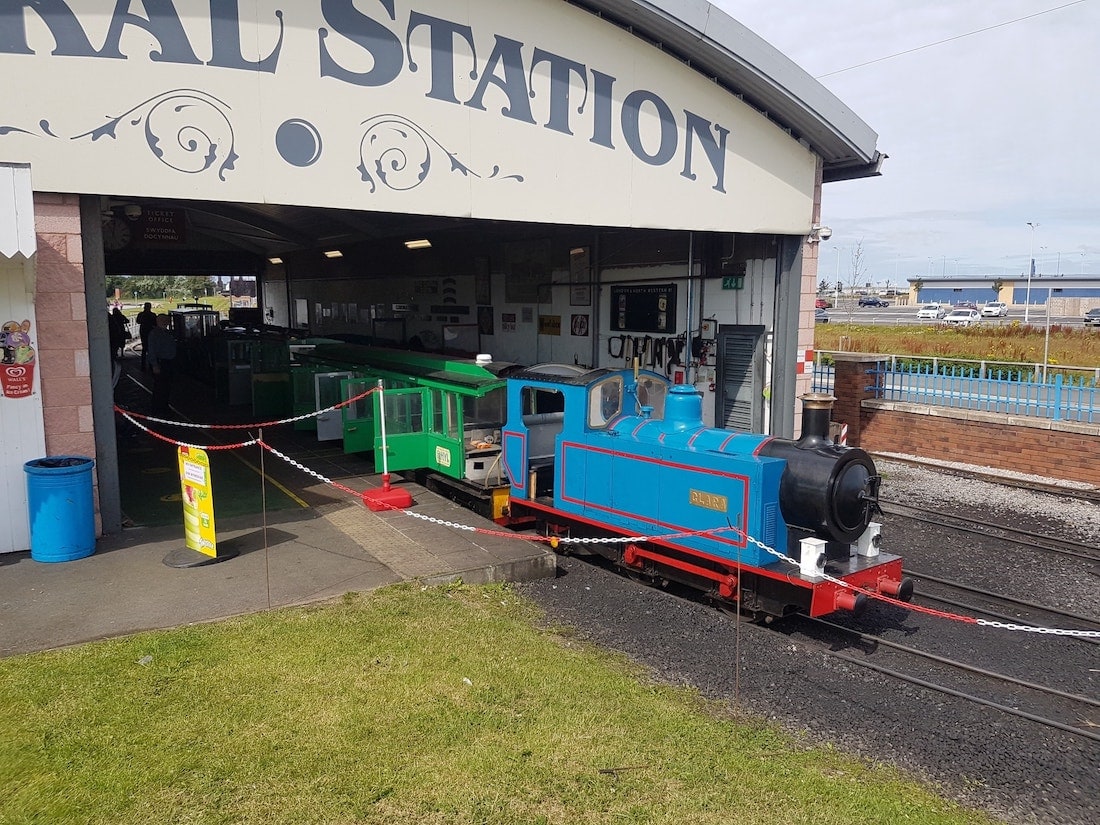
<point>198,501</point>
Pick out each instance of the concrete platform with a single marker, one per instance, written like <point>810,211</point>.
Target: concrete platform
<point>326,545</point>
<point>302,556</point>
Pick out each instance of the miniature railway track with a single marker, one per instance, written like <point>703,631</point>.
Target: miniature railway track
<point>1085,729</point>
<point>1065,547</point>
<point>1091,621</point>
<point>1059,490</point>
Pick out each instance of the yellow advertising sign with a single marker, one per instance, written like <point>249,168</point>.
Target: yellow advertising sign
<point>198,501</point>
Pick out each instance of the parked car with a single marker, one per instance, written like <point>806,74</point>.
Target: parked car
<point>821,316</point>
<point>821,303</point>
<point>966,305</point>
<point>962,317</point>
<point>872,301</point>
<point>932,312</point>
<point>995,309</point>
<point>1093,317</point>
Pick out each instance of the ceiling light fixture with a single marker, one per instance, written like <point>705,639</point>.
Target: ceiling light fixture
<point>422,243</point>
<point>274,260</point>
<point>333,253</point>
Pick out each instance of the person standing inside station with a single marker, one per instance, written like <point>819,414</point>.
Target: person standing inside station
<point>162,360</point>
<point>147,321</point>
<point>116,328</point>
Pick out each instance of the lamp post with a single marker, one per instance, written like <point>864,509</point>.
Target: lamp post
<point>1030,270</point>
<point>836,299</point>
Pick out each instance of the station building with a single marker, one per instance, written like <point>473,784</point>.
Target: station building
<point>542,180</point>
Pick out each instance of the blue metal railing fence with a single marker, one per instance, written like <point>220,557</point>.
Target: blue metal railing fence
<point>1067,394</point>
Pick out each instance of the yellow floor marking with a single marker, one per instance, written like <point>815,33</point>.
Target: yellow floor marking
<point>233,453</point>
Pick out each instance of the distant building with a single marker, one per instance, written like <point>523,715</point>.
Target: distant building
<point>981,290</point>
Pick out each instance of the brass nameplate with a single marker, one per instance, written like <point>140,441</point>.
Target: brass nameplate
<point>710,501</point>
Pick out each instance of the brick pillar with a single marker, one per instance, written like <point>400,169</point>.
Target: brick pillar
<point>850,386</point>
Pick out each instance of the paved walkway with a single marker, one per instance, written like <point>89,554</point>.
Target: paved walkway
<point>294,556</point>
<point>301,556</point>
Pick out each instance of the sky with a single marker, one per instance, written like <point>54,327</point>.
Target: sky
<point>989,113</point>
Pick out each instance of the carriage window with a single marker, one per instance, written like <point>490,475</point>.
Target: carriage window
<point>484,416</point>
<point>605,401</point>
<point>651,393</point>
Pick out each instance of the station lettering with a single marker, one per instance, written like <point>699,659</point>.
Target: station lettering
<point>505,73</point>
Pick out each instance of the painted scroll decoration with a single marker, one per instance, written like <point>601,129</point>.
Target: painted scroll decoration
<point>399,152</point>
<point>203,131</point>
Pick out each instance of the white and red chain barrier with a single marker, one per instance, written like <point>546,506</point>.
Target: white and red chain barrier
<point>553,541</point>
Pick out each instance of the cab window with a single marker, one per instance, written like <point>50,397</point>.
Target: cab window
<point>605,402</point>
<point>651,392</point>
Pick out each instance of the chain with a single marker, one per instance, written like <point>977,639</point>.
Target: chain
<point>305,469</point>
<point>556,540</point>
<point>1053,631</point>
<point>176,443</point>
<point>293,420</point>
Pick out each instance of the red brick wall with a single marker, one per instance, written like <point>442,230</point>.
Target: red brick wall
<point>62,334</point>
<point>989,441</point>
<point>1034,446</point>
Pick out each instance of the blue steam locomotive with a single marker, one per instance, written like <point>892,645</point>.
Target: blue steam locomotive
<point>770,526</point>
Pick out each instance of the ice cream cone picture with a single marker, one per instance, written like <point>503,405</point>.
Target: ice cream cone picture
<point>17,363</point>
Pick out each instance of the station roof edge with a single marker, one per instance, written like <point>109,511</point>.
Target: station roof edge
<point>716,45</point>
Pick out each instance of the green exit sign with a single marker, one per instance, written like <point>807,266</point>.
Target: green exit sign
<point>733,282</point>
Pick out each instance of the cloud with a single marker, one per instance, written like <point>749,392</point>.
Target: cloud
<point>984,131</point>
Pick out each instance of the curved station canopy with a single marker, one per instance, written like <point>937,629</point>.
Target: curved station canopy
<point>619,113</point>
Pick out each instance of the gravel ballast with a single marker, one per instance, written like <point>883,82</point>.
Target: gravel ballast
<point>1013,769</point>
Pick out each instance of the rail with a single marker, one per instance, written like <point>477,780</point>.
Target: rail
<point>1062,393</point>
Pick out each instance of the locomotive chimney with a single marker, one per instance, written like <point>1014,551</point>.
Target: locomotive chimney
<point>817,411</point>
<point>683,408</point>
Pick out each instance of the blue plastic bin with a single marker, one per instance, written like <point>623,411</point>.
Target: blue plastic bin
<point>61,508</point>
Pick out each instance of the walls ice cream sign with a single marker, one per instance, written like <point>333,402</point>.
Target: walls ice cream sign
<point>17,364</point>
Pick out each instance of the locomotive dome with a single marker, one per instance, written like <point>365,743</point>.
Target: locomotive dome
<point>599,184</point>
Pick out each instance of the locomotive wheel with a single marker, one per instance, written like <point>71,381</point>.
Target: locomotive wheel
<point>753,616</point>
<point>642,577</point>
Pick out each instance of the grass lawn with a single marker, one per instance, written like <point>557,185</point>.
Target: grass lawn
<point>407,705</point>
<point>1070,346</point>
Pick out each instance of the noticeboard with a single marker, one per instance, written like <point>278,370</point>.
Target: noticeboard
<point>648,308</point>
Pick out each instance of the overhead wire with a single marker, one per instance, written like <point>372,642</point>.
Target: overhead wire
<point>950,39</point>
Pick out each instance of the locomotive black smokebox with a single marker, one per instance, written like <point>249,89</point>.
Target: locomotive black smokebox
<point>827,490</point>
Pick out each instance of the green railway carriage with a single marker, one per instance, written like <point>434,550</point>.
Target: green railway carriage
<point>442,414</point>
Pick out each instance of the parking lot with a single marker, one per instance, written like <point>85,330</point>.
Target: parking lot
<point>847,311</point>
